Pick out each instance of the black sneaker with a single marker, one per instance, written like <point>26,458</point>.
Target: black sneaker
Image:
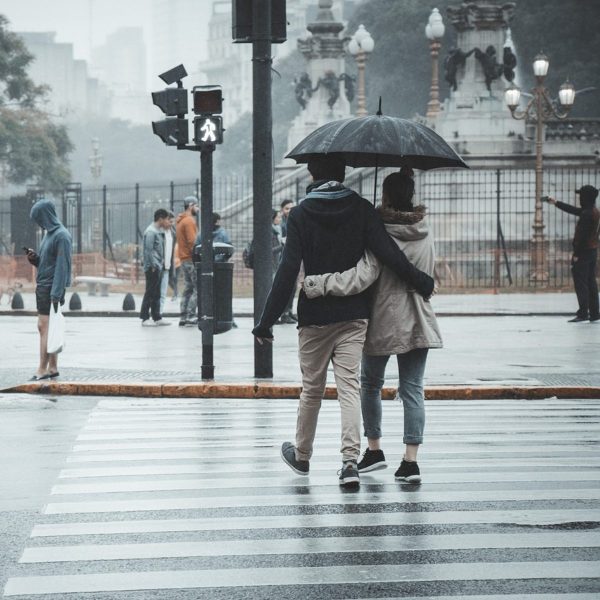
<point>577,319</point>
<point>408,472</point>
<point>372,460</point>
<point>594,319</point>
<point>288,453</point>
<point>182,323</point>
<point>349,475</point>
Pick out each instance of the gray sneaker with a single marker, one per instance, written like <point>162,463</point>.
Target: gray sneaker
<point>349,475</point>
<point>148,323</point>
<point>288,454</point>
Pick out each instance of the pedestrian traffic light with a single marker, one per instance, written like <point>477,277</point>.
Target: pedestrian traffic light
<point>208,131</point>
<point>173,101</point>
<point>208,99</point>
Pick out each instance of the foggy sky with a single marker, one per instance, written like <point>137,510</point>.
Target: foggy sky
<point>70,19</point>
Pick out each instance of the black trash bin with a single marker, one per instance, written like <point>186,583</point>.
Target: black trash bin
<point>222,284</point>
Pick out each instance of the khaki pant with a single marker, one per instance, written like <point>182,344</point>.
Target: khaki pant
<point>342,344</point>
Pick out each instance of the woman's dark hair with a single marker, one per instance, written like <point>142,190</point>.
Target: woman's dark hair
<point>274,214</point>
<point>216,217</point>
<point>399,189</point>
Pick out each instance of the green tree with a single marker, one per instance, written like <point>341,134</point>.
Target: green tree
<point>33,148</point>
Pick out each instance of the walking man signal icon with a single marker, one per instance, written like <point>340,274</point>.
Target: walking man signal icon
<point>208,129</point>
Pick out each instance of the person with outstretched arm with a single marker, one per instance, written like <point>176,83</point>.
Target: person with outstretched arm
<point>328,232</point>
<point>585,252</point>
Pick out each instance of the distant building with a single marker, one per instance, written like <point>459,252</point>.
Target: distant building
<point>120,63</point>
<point>73,92</point>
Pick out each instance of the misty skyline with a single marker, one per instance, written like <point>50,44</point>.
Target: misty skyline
<point>86,24</point>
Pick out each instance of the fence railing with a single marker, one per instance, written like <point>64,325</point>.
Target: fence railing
<point>481,219</point>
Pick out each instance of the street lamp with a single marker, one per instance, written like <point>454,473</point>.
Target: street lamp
<point>434,30</point>
<point>360,45</point>
<point>95,160</point>
<point>539,108</point>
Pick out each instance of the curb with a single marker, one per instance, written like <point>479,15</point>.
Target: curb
<point>291,391</point>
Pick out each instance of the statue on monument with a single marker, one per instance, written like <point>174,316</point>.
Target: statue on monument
<point>491,68</point>
<point>456,58</point>
<point>348,85</point>
<point>303,89</point>
<point>332,84</point>
<point>509,64</point>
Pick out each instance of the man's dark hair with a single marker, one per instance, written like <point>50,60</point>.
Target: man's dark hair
<point>285,202</point>
<point>587,195</point>
<point>161,213</point>
<point>327,166</point>
<point>216,218</point>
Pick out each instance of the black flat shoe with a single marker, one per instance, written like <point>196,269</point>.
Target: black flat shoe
<point>576,320</point>
<point>53,375</point>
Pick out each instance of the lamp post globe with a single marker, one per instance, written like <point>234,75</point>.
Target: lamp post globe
<point>541,64</point>
<point>566,94</point>
<point>361,44</point>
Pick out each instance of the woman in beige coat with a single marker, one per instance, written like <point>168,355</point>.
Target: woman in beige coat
<point>402,323</point>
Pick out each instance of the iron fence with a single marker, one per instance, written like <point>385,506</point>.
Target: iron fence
<point>481,220</point>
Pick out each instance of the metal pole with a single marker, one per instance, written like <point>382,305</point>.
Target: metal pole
<point>497,252</point>
<point>104,228</point>
<point>262,183</point>
<point>172,197</point>
<point>433,106</point>
<point>79,200</point>
<point>137,232</point>
<point>361,100</point>
<point>539,273</point>
<point>206,281</point>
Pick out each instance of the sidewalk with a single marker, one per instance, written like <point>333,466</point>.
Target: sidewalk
<point>496,351</point>
<point>551,303</point>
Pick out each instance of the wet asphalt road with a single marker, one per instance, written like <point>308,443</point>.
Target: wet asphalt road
<point>135,498</point>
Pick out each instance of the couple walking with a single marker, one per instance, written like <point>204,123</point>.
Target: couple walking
<point>345,247</point>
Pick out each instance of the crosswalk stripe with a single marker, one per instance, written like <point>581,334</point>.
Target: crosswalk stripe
<point>286,576</point>
<point>553,466</point>
<point>388,543</point>
<point>330,520</point>
<point>313,480</point>
<point>141,505</point>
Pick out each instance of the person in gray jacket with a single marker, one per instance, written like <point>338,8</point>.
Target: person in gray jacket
<point>401,323</point>
<point>154,267</point>
<point>53,276</point>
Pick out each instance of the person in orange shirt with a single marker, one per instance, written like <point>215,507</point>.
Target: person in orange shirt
<point>187,229</point>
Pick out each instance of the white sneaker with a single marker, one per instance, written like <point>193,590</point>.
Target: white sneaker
<point>147,323</point>
<point>162,323</point>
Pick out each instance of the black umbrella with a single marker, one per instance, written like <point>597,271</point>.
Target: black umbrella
<point>379,141</point>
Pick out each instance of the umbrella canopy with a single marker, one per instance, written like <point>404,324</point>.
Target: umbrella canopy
<point>379,141</point>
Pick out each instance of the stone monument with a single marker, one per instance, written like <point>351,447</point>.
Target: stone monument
<point>478,69</point>
<point>324,91</point>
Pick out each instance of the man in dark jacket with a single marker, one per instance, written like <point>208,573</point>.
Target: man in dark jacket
<point>53,265</point>
<point>585,252</point>
<point>328,232</point>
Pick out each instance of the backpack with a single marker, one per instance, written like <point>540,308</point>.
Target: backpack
<point>248,255</point>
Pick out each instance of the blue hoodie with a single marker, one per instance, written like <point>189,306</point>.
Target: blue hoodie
<point>54,266</point>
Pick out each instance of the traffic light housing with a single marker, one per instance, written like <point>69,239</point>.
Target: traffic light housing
<point>172,101</point>
<point>208,99</point>
<point>208,131</point>
<point>172,131</point>
<point>242,21</point>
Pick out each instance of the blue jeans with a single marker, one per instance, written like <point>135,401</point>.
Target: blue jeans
<point>411,367</point>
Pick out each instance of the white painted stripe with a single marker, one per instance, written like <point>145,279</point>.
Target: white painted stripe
<point>383,519</point>
<point>151,504</point>
<point>371,544</point>
<point>532,596</point>
<point>163,580</point>
<point>235,467</point>
<point>427,456</point>
<point>157,485</point>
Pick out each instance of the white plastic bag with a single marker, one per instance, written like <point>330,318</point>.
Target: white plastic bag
<point>56,331</point>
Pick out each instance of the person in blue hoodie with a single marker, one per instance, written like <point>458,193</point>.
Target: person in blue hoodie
<point>53,263</point>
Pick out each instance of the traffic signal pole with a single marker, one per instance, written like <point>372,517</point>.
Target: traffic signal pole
<point>206,321</point>
<point>262,169</point>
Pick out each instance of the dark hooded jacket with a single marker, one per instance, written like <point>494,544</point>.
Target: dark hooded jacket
<point>328,232</point>
<point>588,224</point>
<point>54,264</point>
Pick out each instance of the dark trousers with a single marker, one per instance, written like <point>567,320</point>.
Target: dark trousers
<point>151,301</point>
<point>586,287</point>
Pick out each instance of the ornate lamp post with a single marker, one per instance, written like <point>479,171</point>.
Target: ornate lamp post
<point>434,30</point>
<point>361,44</point>
<point>95,159</point>
<point>539,108</point>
